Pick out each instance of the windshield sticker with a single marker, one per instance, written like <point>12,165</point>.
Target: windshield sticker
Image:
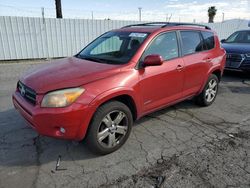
<point>141,35</point>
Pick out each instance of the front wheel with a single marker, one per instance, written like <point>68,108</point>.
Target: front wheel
<point>110,128</point>
<point>209,93</point>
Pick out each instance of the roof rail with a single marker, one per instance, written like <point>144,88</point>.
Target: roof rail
<point>187,24</point>
<point>167,24</point>
<point>146,24</point>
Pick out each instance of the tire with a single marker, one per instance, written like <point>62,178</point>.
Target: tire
<point>209,93</point>
<point>108,131</point>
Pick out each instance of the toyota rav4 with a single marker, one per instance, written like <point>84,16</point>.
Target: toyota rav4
<point>119,77</point>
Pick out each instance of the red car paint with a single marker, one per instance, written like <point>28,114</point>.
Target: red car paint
<point>150,88</point>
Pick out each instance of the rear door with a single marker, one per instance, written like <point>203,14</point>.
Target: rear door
<point>195,61</point>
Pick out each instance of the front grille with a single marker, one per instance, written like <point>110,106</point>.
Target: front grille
<point>234,60</point>
<point>245,64</point>
<point>27,93</point>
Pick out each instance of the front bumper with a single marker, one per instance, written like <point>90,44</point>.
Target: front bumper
<point>48,121</point>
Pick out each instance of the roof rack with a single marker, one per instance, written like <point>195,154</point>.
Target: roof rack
<point>167,24</point>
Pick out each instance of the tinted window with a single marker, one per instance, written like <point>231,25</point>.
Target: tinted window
<point>191,42</point>
<point>208,40</point>
<point>165,45</point>
<point>239,37</point>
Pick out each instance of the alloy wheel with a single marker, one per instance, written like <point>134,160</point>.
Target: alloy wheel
<point>211,90</point>
<point>112,129</point>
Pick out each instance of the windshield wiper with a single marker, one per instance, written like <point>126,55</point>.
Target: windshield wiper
<point>91,59</point>
<point>99,60</point>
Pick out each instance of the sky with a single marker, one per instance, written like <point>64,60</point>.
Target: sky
<point>152,10</point>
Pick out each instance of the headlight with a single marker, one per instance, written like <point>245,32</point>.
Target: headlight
<point>61,98</point>
<point>248,55</point>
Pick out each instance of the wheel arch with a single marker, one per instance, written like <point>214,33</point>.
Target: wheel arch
<point>127,97</point>
<point>216,71</point>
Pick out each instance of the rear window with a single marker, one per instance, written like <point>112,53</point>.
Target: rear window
<point>191,42</point>
<point>208,40</point>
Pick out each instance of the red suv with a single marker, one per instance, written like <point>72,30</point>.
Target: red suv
<point>119,77</point>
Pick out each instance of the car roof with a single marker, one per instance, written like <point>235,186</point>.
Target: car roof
<point>243,30</point>
<point>139,29</point>
<point>154,26</point>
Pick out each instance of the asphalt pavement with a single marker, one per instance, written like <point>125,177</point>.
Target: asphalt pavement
<point>181,146</point>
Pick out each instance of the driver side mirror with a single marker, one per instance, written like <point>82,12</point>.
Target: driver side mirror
<point>223,40</point>
<point>152,60</point>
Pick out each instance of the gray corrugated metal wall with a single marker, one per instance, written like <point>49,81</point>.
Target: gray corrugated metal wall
<point>26,37</point>
<point>224,29</point>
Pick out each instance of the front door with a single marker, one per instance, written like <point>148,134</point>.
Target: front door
<point>161,85</point>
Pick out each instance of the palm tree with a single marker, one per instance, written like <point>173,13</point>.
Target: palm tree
<point>58,9</point>
<point>211,14</point>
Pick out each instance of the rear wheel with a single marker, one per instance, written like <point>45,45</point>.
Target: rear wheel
<point>110,128</point>
<point>209,93</point>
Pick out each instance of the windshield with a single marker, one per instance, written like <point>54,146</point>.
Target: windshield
<point>113,47</point>
<point>239,37</point>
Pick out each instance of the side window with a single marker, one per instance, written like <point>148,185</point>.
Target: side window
<point>208,40</point>
<point>191,42</point>
<point>165,45</point>
<point>108,45</point>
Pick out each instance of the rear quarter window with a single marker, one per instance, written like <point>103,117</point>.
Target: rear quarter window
<point>208,38</point>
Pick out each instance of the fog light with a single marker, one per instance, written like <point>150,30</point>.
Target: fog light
<point>62,130</point>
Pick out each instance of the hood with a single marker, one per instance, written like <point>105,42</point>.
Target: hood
<point>236,48</point>
<point>67,72</point>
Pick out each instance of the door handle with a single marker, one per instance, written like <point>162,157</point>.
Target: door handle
<point>207,60</point>
<point>179,67</point>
